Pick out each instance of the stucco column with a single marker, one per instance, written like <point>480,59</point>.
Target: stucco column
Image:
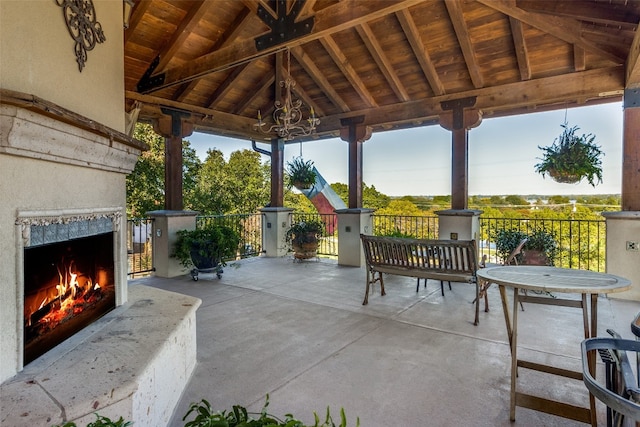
<point>165,226</point>
<point>459,224</point>
<point>352,223</point>
<point>275,223</point>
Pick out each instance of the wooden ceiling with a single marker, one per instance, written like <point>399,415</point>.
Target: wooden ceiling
<point>392,62</point>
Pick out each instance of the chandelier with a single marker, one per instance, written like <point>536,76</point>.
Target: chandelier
<point>287,115</point>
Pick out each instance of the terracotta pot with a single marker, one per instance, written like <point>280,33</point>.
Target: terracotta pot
<point>305,250</point>
<point>533,257</point>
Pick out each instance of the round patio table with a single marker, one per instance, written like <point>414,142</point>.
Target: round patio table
<point>541,279</point>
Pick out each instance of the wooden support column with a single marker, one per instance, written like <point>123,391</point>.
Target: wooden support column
<point>631,151</point>
<point>277,179</point>
<point>459,121</point>
<point>173,129</point>
<point>355,133</point>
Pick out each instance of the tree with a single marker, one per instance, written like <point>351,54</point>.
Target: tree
<point>145,184</point>
<point>516,200</point>
<point>238,186</point>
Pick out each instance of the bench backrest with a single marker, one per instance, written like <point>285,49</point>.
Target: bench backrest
<point>446,256</point>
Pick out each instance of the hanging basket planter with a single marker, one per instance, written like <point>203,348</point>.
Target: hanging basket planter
<point>564,177</point>
<point>301,174</point>
<point>571,158</point>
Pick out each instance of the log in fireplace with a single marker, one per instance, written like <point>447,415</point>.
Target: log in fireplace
<point>67,286</point>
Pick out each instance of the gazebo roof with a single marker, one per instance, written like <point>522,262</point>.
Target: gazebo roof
<point>393,62</point>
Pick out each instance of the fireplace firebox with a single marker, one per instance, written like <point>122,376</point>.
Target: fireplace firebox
<point>67,286</point>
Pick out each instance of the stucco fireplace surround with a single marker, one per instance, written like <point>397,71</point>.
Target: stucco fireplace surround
<point>62,179</point>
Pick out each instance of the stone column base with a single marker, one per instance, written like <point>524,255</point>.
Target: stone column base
<point>352,223</point>
<point>623,253</point>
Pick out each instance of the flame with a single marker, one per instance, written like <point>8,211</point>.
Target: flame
<point>70,296</point>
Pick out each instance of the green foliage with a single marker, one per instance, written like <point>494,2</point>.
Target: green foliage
<point>214,241</point>
<point>100,422</point>
<point>400,207</point>
<point>371,198</point>
<point>506,241</point>
<point>516,200</point>
<point>205,416</point>
<point>305,231</point>
<point>571,158</point>
<point>301,173</point>
<point>543,241</point>
<point>145,184</point>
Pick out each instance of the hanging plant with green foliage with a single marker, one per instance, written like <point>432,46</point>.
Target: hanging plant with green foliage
<point>301,173</point>
<point>571,158</point>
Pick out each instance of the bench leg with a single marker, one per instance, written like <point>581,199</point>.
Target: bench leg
<point>477,304</point>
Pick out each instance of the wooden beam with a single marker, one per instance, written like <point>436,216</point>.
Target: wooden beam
<point>345,67</point>
<point>520,45</point>
<point>188,23</point>
<point>318,76</point>
<point>462,33</point>
<point>338,17</point>
<point>262,85</point>
<point>579,59</point>
<point>616,15</point>
<point>374,48</point>
<point>632,73</point>
<point>139,9</point>
<point>413,36</point>
<point>226,85</point>
<point>566,29</point>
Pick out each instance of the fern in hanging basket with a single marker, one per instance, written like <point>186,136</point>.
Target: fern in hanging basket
<point>301,173</point>
<point>571,158</point>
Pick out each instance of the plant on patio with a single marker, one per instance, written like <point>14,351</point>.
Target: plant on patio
<point>301,173</point>
<point>541,248</point>
<point>206,247</point>
<point>240,417</point>
<point>303,236</point>
<point>507,241</point>
<point>571,158</point>
<point>100,422</point>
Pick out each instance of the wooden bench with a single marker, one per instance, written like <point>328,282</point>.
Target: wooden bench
<point>444,260</point>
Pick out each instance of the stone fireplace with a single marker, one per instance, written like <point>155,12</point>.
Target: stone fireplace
<point>61,231</point>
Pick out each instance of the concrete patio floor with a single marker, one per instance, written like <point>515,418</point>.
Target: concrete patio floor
<point>298,331</point>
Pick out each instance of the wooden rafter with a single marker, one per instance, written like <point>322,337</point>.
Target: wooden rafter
<point>566,29</point>
<point>632,72</point>
<point>462,32</point>
<point>189,22</point>
<point>376,51</point>
<point>520,45</point>
<point>340,16</point>
<point>345,67</point>
<point>218,94</point>
<point>602,13</point>
<point>413,36</point>
<point>579,59</point>
<point>259,88</point>
<point>317,75</point>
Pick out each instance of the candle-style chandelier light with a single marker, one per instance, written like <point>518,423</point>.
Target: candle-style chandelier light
<point>287,115</point>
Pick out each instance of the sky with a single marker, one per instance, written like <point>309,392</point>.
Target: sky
<point>502,155</point>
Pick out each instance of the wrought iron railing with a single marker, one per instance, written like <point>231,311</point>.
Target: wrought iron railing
<point>418,227</point>
<point>329,241</point>
<point>139,247</point>
<point>248,227</point>
<point>581,243</point>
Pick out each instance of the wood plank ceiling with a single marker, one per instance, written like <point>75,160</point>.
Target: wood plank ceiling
<point>393,62</point>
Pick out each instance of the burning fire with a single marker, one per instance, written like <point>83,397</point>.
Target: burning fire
<point>73,293</point>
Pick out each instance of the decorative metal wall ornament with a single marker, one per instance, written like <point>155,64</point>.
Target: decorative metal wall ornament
<point>80,16</point>
<point>287,115</point>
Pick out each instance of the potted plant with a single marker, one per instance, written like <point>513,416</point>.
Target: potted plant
<point>301,173</point>
<point>541,248</point>
<point>303,237</point>
<point>206,248</point>
<point>571,158</point>
<point>507,241</point>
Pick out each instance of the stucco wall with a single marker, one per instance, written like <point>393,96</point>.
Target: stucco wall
<point>37,57</point>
